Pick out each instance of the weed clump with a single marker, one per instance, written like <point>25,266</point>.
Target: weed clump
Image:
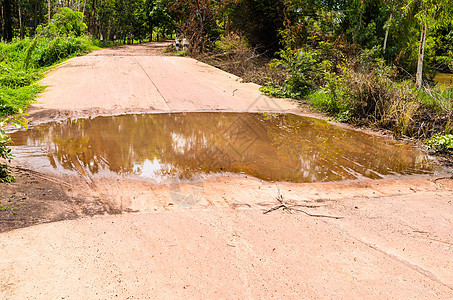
<point>441,144</point>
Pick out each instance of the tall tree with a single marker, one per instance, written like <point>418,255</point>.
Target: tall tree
<point>197,19</point>
<point>7,17</point>
<point>260,22</point>
<point>431,14</point>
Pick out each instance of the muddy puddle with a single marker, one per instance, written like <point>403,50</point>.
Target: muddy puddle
<point>162,147</point>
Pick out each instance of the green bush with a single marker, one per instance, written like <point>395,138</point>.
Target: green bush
<point>441,143</point>
<point>5,154</point>
<point>51,51</point>
<point>64,23</point>
<point>11,77</point>
<point>307,68</point>
<point>13,99</point>
<point>301,67</point>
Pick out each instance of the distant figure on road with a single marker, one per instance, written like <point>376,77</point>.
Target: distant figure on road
<point>185,44</point>
<point>177,42</point>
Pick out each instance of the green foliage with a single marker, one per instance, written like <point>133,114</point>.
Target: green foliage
<point>5,154</point>
<point>336,104</point>
<point>441,143</point>
<point>359,87</point>
<point>275,90</point>
<point>302,68</point>
<point>65,23</point>
<point>13,99</point>
<point>60,39</point>
<point>159,14</point>
<point>51,51</point>
<point>12,77</point>
<point>306,68</point>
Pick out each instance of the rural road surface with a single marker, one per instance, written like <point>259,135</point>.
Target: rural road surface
<point>381,239</point>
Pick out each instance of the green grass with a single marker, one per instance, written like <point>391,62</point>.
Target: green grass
<point>336,105</point>
<point>441,143</point>
<point>23,62</point>
<point>13,99</point>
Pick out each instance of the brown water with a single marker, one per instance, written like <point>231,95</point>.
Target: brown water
<point>274,147</point>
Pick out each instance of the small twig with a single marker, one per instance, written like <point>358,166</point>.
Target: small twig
<point>317,216</point>
<point>441,178</point>
<point>275,208</point>
<point>289,208</point>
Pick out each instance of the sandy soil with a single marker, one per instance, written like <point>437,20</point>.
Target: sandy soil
<point>132,239</point>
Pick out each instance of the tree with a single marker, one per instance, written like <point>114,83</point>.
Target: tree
<point>197,20</point>
<point>431,14</point>
<point>7,17</point>
<point>160,17</point>
<point>260,22</point>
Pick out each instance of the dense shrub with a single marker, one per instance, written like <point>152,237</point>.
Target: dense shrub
<point>305,68</point>
<point>50,51</point>
<point>5,154</point>
<point>65,23</point>
<point>441,143</point>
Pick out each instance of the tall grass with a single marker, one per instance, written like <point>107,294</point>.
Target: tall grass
<point>22,63</point>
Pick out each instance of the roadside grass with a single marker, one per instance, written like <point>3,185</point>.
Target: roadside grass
<point>171,50</point>
<point>23,62</point>
<point>14,99</point>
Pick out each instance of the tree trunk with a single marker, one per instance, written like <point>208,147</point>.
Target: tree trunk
<point>421,53</point>
<point>150,27</point>
<point>20,24</point>
<point>92,20</point>
<point>2,31</point>
<point>48,12</point>
<point>8,20</point>
<point>387,33</point>
<point>83,12</point>
<point>35,17</point>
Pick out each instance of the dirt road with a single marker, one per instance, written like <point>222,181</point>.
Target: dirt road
<point>130,239</point>
<point>132,79</point>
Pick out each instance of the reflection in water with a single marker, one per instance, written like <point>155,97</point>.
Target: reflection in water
<point>276,147</point>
